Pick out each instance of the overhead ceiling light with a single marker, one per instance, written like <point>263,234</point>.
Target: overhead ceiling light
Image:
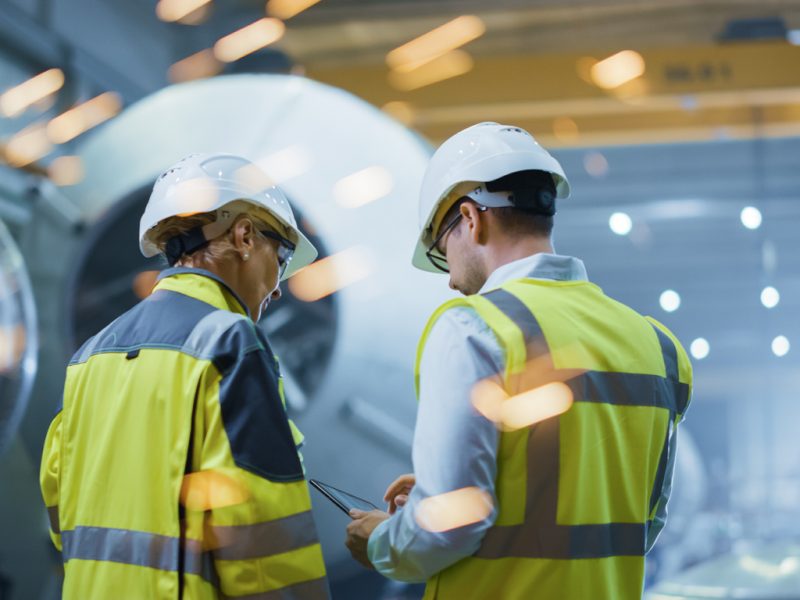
<point>249,39</point>
<point>565,129</point>
<point>286,9</point>
<point>670,300</point>
<point>596,164</point>
<point>751,217</point>
<point>363,187</point>
<point>15,101</point>
<point>620,223</point>
<point>435,43</point>
<point>780,346</point>
<point>699,348</point>
<point>770,297</point>
<point>175,10</point>
<point>618,69</point>
<point>449,65</point>
<point>83,117</point>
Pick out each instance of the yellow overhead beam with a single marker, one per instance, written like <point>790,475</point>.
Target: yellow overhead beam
<point>734,90</point>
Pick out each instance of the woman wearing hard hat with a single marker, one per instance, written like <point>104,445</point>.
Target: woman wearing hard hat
<point>172,469</point>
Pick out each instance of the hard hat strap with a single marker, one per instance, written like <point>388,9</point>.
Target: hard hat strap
<point>185,243</point>
<point>531,191</point>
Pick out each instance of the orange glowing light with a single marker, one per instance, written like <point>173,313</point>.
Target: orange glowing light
<point>253,178</point>
<point>177,10</point>
<point>66,170</point>
<point>249,39</point>
<point>144,283</point>
<point>565,129</point>
<point>454,509</point>
<point>540,393</point>
<point>446,66</point>
<point>83,117</point>
<point>363,187</point>
<point>286,164</point>
<point>28,145</point>
<point>402,111</point>
<point>286,9</point>
<point>435,43</point>
<point>330,274</point>
<point>195,196</point>
<point>522,410</point>
<point>206,490</point>
<point>15,101</point>
<point>13,339</point>
<point>596,164</point>
<point>197,66</point>
<point>618,69</point>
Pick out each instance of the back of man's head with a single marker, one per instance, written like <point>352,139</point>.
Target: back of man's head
<point>533,195</point>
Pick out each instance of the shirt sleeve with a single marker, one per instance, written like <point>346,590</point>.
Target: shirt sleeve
<point>454,447</point>
<point>247,499</point>
<point>49,477</point>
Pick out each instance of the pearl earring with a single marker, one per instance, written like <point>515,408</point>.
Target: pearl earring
<point>246,256</point>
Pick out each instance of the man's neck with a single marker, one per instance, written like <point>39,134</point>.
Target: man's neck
<point>508,252</point>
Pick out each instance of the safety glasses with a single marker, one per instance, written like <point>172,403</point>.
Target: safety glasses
<point>285,250</point>
<point>435,254</point>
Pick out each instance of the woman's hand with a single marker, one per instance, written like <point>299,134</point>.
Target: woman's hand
<point>397,492</point>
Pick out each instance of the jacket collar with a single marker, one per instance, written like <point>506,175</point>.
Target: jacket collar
<point>202,285</point>
<point>537,266</point>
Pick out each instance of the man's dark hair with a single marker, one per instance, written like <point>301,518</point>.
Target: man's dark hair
<point>534,197</point>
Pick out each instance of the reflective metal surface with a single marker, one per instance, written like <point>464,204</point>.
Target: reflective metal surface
<point>18,338</point>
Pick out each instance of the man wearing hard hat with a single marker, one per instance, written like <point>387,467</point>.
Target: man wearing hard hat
<point>545,439</point>
<point>171,470</point>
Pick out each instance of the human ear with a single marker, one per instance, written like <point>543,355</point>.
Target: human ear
<point>472,217</point>
<point>244,238</point>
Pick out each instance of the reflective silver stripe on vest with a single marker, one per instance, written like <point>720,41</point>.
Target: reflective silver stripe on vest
<point>316,589</point>
<point>670,354</point>
<point>135,548</point>
<point>540,536</point>
<point>209,329</point>
<point>242,542</point>
<point>92,343</point>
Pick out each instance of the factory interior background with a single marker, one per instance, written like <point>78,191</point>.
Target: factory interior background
<point>677,122</point>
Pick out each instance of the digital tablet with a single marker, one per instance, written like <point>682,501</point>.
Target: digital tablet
<point>342,499</point>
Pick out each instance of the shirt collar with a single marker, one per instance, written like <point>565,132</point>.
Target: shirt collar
<point>537,266</point>
<point>221,295</point>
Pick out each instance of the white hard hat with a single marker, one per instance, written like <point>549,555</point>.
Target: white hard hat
<point>476,155</point>
<point>228,185</point>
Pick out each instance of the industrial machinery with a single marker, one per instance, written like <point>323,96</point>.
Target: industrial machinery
<point>346,340</point>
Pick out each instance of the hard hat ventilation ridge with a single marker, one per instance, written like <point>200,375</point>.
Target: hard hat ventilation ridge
<point>531,191</point>
<point>185,243</point>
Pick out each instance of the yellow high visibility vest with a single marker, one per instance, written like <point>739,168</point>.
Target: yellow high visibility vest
<point>577,492</point>
<point>172,470</point>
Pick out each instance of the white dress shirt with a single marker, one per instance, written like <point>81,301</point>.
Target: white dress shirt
<point>454,445</point>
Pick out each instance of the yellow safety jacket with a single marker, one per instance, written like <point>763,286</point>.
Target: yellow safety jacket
<point>171,470</point>
<point>581,495</point>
